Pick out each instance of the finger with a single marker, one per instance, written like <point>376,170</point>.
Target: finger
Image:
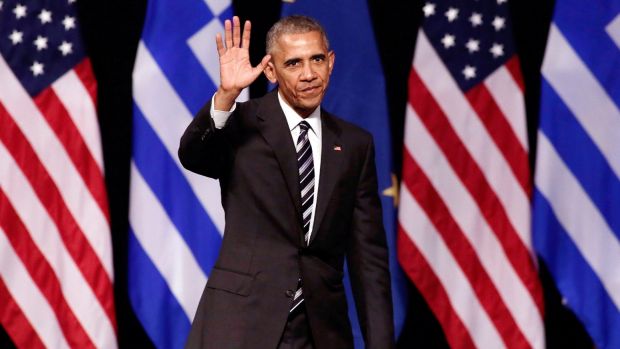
<point>262,65</point>
<point>247,28</point>
<point>264,61</point>
<point>236,31</point>
<point>227,34</point>
<point>220,45</point>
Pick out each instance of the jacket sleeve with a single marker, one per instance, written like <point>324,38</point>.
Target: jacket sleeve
<point>204,149</point>
<point>367,259</point>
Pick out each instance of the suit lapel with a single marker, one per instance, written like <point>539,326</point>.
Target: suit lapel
<point>331,162</point>
<point>273,127</point>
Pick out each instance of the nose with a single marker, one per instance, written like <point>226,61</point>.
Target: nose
<point>308,74</point>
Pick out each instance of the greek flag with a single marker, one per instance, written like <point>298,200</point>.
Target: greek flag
<point>577,193</point>
<point>176,219</point>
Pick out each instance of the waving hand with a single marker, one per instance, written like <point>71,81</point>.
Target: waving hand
<point>236,71</point>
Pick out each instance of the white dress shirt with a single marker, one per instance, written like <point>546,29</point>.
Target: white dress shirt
<point>293,120</point>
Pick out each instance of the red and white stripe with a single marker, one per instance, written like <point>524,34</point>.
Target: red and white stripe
<point>56,272</point>
<point>464,220</point>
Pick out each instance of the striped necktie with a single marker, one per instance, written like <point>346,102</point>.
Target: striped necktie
<point>305,163</point>
<point>306,177</point>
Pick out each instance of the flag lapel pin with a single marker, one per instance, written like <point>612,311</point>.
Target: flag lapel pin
<point>337,148</point>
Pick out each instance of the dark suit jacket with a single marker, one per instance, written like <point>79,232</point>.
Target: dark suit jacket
<point>249,292</point>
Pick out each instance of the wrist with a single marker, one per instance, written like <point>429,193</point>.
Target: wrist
<point>225,99</point>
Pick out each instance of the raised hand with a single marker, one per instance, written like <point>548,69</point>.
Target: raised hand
<point>236,71</point>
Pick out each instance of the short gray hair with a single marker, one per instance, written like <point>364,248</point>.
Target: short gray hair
<point>296,24</point>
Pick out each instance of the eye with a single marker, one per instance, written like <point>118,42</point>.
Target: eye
<point>318,58</point>
<point>292,63</point>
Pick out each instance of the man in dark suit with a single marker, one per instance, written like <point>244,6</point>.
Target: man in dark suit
<point>299,190</point>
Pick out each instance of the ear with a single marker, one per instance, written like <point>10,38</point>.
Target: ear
<point>270,72</point>
<point>331,58</point>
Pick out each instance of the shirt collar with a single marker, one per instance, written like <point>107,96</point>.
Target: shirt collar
<point>293,119</point>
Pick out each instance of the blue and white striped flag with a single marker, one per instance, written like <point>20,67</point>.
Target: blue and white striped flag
<point>577,196</point>
<point>176,219</point>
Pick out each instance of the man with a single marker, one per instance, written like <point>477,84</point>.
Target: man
<point>299,190</point>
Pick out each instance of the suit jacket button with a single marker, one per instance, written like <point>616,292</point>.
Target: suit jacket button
<point>290,293</point>
<point>205,134</point>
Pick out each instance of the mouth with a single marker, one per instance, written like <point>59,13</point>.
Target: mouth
<point>310,90</point>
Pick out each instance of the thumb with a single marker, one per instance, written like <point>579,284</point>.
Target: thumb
<point>263,64</point>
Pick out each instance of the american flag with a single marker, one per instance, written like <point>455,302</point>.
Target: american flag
<point>577,193</point>
<point>176,217</point>
<point>55,250</point>
<point>464,217</point>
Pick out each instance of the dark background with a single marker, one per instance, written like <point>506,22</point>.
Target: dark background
<point>111,31</point>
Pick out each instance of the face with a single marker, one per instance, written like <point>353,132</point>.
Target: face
<point>301,65</point>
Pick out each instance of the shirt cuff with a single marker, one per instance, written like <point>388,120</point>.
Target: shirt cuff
<point>220,116</point>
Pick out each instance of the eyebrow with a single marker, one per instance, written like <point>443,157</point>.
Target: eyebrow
<point>296,60</point>
<point>292,61</point>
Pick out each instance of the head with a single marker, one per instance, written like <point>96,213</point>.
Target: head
<point>301,62</point>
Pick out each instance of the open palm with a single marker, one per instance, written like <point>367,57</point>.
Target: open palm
<point>236,71</point>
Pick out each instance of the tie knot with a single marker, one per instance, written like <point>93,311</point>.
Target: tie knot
<point>304,126</point>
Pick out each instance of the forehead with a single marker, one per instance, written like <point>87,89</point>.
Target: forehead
<point>300,45</point>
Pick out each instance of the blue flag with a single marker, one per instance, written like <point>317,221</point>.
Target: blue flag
<point>577,196</point>
<point>357,94</point>
<point>176,218</point>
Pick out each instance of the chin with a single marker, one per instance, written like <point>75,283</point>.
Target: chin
<point>311,107</point>
<point>312,103</point>
<point>309,104</point>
